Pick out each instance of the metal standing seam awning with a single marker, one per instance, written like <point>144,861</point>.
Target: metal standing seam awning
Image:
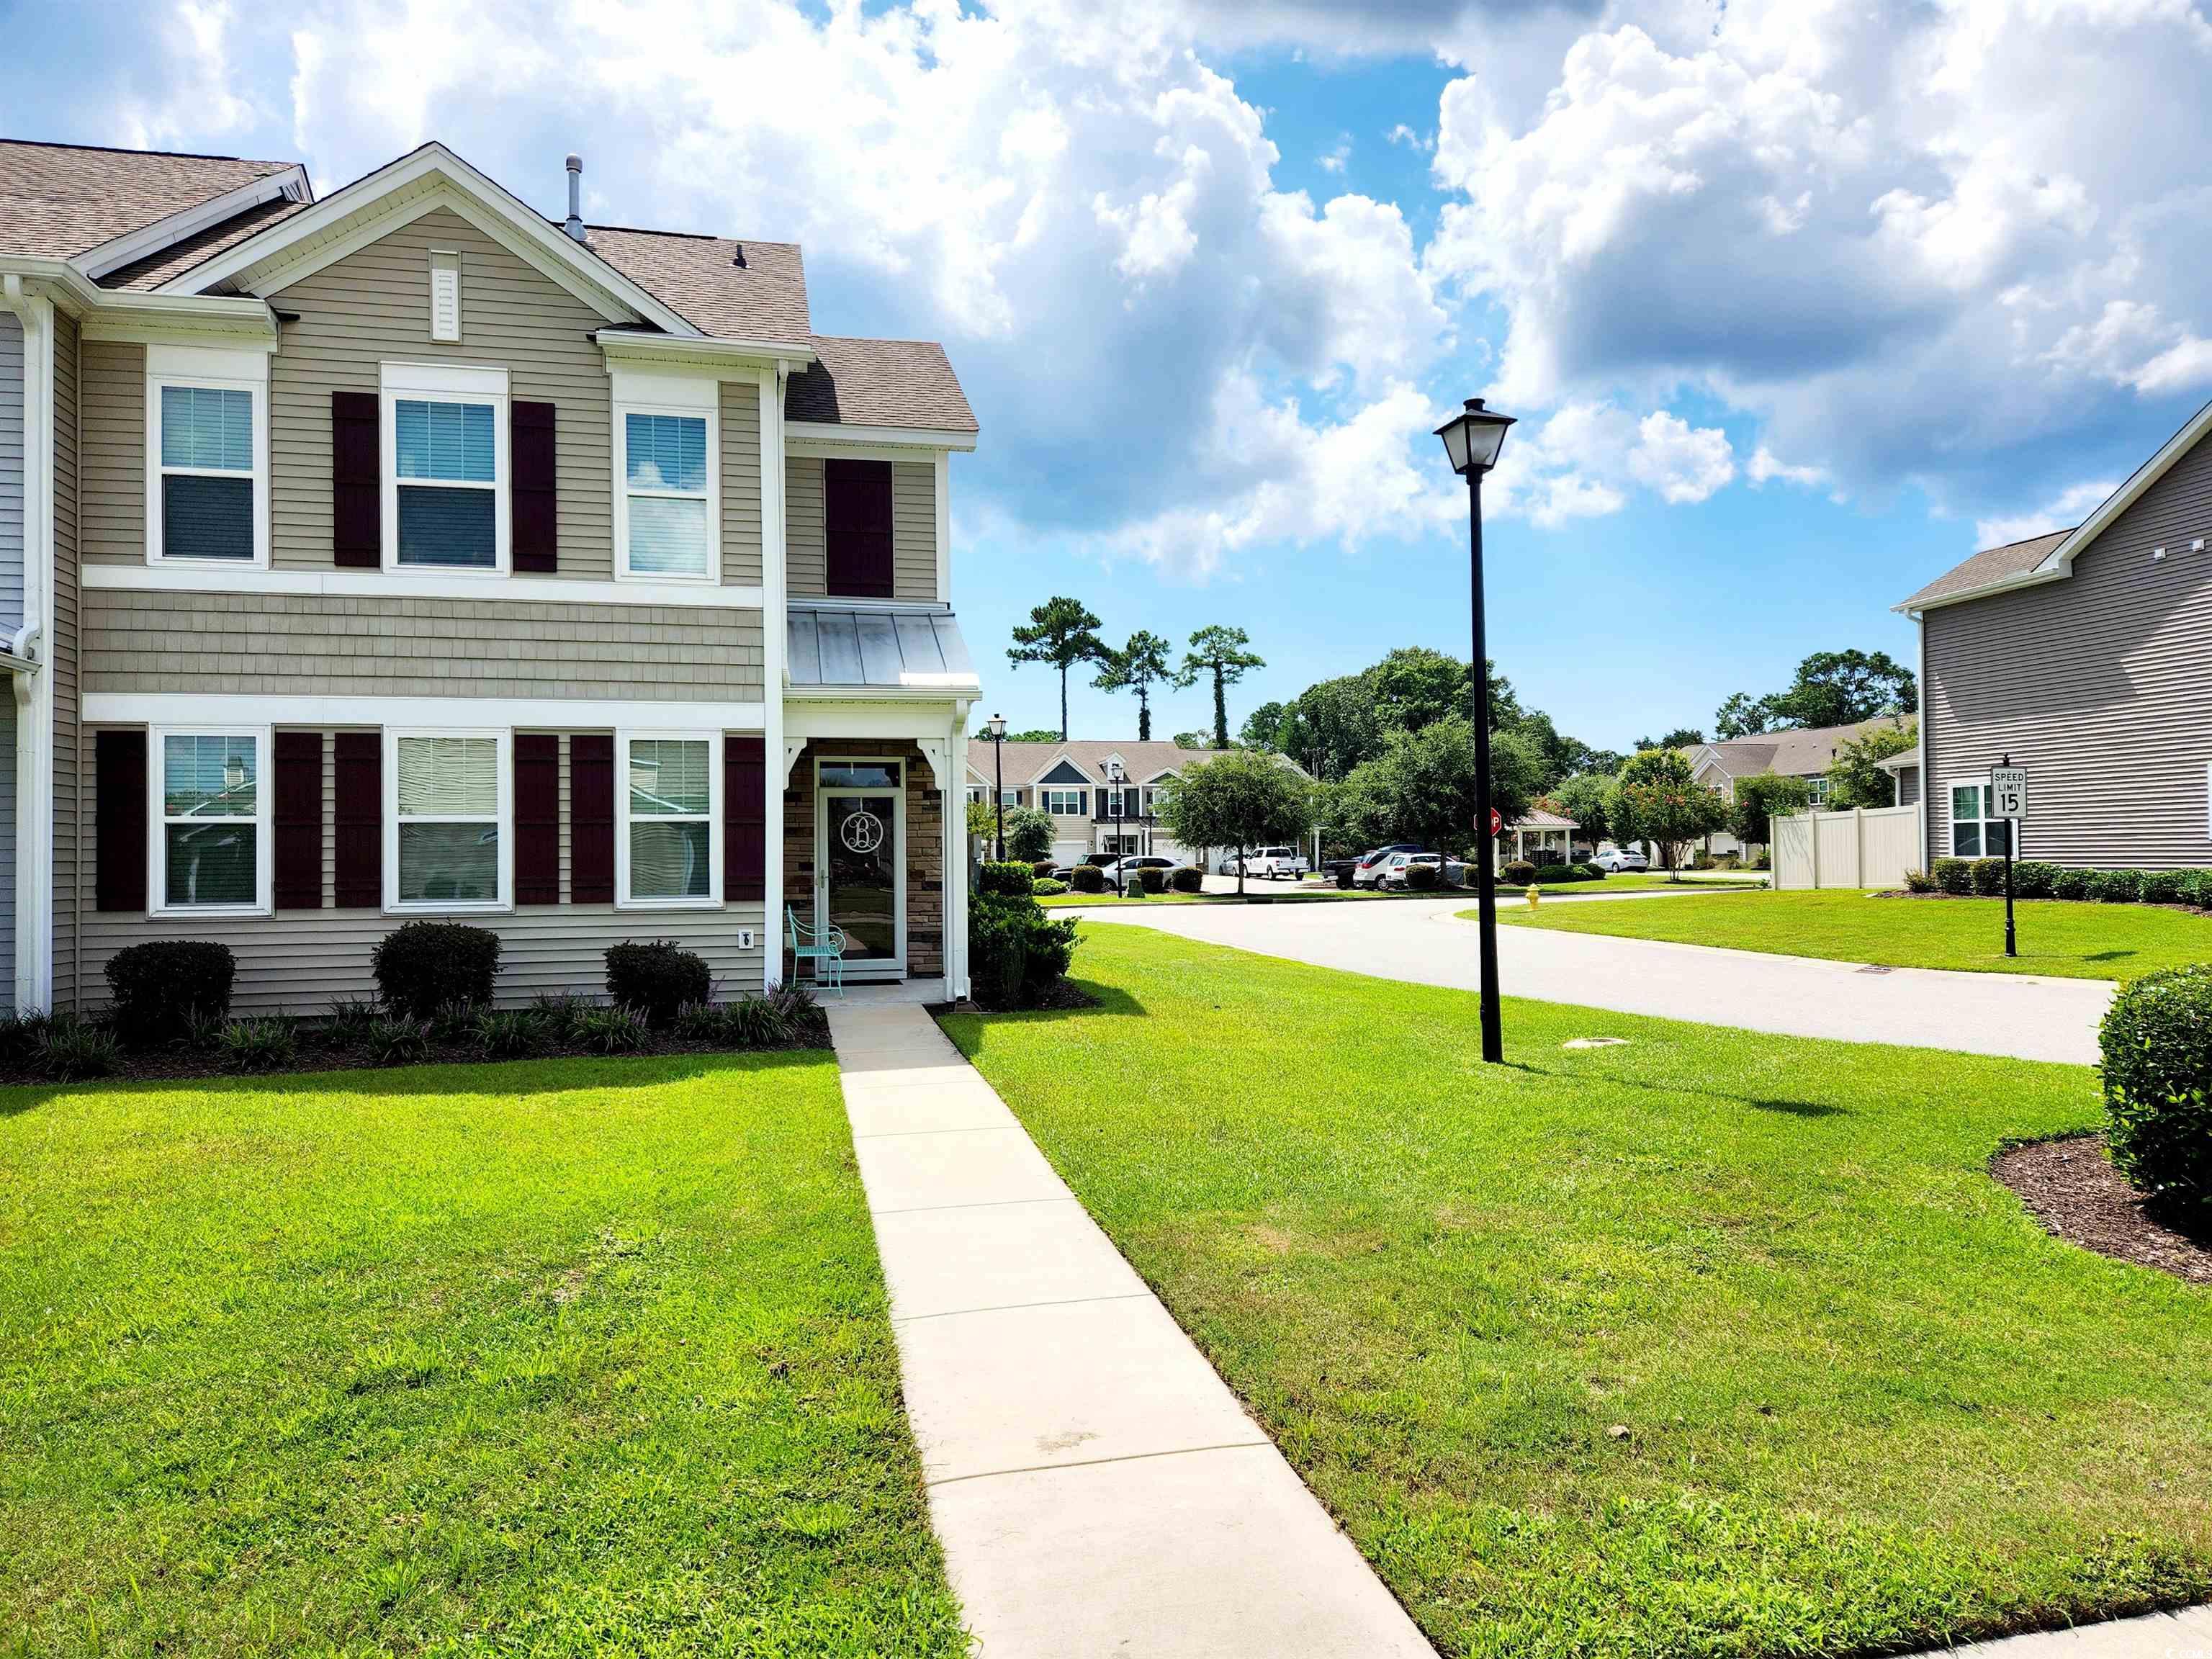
<point>912,648</point>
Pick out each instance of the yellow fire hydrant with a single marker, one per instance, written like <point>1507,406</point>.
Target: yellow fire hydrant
<point>1534,893</point>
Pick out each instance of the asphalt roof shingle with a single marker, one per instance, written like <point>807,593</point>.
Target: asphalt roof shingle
<point>150,273</point>
<point>1143,761</point>
<point>907,383</point>
<point>1991,564</point>
<point>58,201</point>
<point>700,278</point>
<point>1795,751</point>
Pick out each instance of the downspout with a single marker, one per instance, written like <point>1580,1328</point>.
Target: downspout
<point>1920,746</point>
<point>33,691</point>
<point>775,622</point>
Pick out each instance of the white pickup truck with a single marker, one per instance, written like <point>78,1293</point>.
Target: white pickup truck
<point>1271,863</point>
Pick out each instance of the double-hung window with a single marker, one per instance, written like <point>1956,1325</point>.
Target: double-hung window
<point>446,501</point>
<point>210,852</point>
<point>667,478</point>
<point>207,455</point>
<point>1065,803</point>
<point>447,805</point>
<point>1976,831</point>
<point>666,850</point>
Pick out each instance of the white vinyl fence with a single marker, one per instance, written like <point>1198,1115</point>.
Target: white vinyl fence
<point>1862,847</point>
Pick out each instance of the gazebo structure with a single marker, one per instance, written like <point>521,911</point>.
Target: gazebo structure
<point>1541,837</point>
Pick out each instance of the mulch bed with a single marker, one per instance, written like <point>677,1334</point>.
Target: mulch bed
<point>2072,1188</point>
<point>314,1052</point>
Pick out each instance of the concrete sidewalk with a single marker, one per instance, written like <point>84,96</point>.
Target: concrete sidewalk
<point>1421,941</point>
<point>1096,1487</point>
<point>2184,1634</point>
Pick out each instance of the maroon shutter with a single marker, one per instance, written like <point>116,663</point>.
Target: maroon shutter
<point>537,817</point>
<point>536,525</point>
<point>745,818</point>
<point>357,481</point>
<point>591,819</point>
<point>856,510</point>
<point>298,767</point>
<point>359,819</point>
<point>118,823</point>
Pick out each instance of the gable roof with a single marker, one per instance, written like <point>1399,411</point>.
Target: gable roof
<point>1997,568</point>
<point>883,383</point>
<point>144,275</point>
<point>1796,752</point>
<point>726,289</point>
<point>1141,762</point>
<point>59,201</point>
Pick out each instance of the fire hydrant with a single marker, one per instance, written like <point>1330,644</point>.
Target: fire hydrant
<point>1534,893</point>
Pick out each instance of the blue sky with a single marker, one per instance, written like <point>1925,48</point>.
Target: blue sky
<point>1799,302</point>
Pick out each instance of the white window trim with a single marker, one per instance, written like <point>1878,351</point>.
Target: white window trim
<point>1046,791</point>
<point>220,369</point>
<point>447,383</point>
<point>157,822</point>
<point>1952,823</point>
<point>624,900</point>
<point>504,736</point>
<point>695,399</point>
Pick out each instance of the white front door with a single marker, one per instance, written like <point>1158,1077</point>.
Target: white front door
<point>860,862</point>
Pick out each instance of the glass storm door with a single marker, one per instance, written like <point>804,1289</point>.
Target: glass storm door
<point>861,842</point>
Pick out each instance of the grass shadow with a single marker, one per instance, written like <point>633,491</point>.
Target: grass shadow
<point>2109,956</point>
<point>1805,1108</point>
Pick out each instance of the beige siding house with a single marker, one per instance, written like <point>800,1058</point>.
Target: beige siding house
<point>406,553</point>
<point>2080,656</point>
<point>1103,796</point>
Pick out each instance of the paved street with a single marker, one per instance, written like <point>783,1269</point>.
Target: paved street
<point>1422,940</point>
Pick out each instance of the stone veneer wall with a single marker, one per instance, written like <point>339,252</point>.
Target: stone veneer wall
<point>925,847</point>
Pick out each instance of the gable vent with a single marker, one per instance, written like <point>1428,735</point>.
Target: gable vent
<point>445,295</point>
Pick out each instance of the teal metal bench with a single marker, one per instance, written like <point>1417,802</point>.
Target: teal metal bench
<point>824,947</point>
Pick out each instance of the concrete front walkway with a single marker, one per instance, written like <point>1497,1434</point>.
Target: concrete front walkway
<point>1422,941</point>
<point>2184,1634</point>
<point>1097,1489</point>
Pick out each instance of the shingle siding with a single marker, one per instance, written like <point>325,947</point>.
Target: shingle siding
<point>276,645</point>
<point>2096,684</point>
<point>914,529</point>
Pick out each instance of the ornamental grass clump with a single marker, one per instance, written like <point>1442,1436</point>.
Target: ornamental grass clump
<point>2156,1042</point>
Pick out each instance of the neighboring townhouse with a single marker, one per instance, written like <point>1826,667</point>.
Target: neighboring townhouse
<point>401,552</point>
<point>1103,797</point>
<point>2080,655</point>
<point>1799,752</point>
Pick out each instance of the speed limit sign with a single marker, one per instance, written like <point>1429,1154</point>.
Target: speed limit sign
<point>2009,791</point>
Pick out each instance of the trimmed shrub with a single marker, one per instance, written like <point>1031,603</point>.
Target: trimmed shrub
<point>2164,887</point>
<point>1015,951</point>
<point>2157,1046</point>
<point>1044,869</point>
<point>1005,881</point>
<point>2115,886</point>
<point>71,1048</point>
<point>424,965</point>
<point>1919,881</point>
<point>656,979</point>
<point>1087,878</point>
<point>1592,871</point>
<point>1517,873</point>
<point>160,987</point>
<point>1987,876</point>
<point>1423,878</point>
<point>2071,885</point>
<point>1048,888</point>
<point>1562,872</point>
<point>2033,879</point>
<point>1188,879</point>
<point>257,1045</point>
<point>1152,880</point>
<point>1954,877</point>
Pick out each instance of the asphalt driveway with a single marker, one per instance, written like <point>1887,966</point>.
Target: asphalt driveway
<point>1423,941</point>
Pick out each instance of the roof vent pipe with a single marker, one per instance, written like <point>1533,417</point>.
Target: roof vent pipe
<point>576,225</point>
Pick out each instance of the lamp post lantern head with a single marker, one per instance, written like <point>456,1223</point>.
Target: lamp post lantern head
<point>1473,438</point>
<point>996,726</point>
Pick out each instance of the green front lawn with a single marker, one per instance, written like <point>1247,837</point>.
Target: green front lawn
<point>1633,881</point>
<point>579,1356</point>
<point>1715,1344</point>
<point>2057,938</point>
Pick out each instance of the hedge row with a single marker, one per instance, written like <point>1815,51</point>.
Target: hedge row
<point>2035,878</point>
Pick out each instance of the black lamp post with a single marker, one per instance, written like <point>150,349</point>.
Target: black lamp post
<point>1472,440</point>
<point>996,726</point>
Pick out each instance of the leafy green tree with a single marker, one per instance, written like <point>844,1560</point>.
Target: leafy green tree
<point>1585,797</point>
<point>1830,688</point>
<point>1061,632</point>
<point>1220,653</point>
<point>1265,727</point>
<point>1029,833</point>
<point>1659,800</point>
<point>1242,799</point>
<point>1422,787</point>
<point>1194,740</point>
<point>1415,686</point>
<point>1138,666</point>
<point>1035,734</point>
<point>983,824</point>
<point>1760,800</point>
<point>1332,727</point>
<point>1854,778</point>
<point>1683,737</point>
